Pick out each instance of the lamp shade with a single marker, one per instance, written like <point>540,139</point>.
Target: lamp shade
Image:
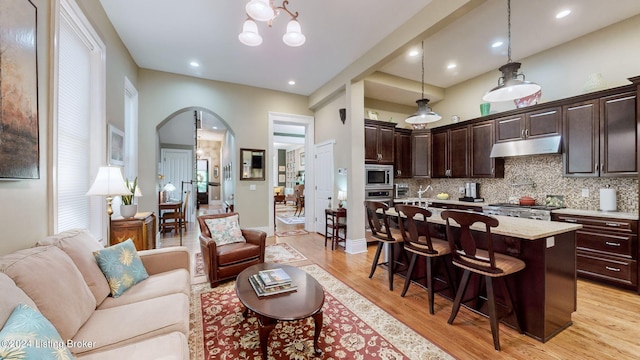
<point>169,187</point>
<point>294,36</point>
<point>342,195</point>
<point>510,87</point>
<point>108,182</point>
<point>137,192</point>
<point>260,10</point>
<point>424,114</point>
<point>249,35</point>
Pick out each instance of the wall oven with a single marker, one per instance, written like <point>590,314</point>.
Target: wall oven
<point>378,177</point>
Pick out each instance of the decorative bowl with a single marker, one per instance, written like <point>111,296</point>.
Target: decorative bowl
<point>527,201</point>
<point>442,196</point>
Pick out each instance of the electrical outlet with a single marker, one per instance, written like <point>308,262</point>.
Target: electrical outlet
<point>585,192</point>
<point>461,189</point>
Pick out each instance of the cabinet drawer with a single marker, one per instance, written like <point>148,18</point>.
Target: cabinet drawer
<point>612,270</point>
<point>618,225</point>
<point>616,244</point>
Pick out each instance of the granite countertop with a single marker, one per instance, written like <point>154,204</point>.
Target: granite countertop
<point>432,200</point>
<point>511,226</point>
<point>605,214</point>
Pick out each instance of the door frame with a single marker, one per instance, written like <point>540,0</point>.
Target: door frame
<point>308,123</point>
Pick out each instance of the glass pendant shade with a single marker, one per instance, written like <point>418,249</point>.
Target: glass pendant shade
<point>424,114</point>
<point>510,87</point>
<point>260,10</point>
<point>294,36</point>
<point>250,35</point>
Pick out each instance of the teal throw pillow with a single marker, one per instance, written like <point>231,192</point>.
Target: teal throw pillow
<point>27,334</point>
<point>121,265</point>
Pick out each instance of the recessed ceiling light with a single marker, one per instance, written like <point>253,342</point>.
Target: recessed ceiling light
<point>194,64</point>
<point>291,82</point>
<point>215,128</point>
<point>562,14</point>
<point>414,52</point>
<point>496,44</point>
<point>451,66</point>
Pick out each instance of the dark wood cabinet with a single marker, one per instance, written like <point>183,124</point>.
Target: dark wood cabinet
<point>421,153</point>
<point>600,137</point>
<point>607,249</point>
<point>450,153</point>
<point>402,153</point>
<point>141,229</point>
<point>529,125</point>
<point>481,140</point>
<point>378,142</point>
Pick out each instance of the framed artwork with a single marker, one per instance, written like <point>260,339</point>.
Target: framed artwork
<point>116,146</point>
<point>19,139</point>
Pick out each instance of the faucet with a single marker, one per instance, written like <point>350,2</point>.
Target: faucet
<point>420,192</point>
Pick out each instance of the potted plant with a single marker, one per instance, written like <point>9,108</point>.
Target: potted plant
<point>128,209</point>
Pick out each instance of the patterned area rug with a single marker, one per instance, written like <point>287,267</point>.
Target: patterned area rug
<point>353,328</point>
<point>275,253</point>
<point>291,233</point>
<point>291,220</point>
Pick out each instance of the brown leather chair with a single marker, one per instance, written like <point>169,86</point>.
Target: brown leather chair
<point>489,264</point>
<point>225,262</point>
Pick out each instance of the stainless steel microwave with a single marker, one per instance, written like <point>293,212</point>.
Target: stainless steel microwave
<point>378,176</point>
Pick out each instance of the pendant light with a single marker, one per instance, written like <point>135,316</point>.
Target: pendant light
<point>510,87</point>
<point>424,114</point>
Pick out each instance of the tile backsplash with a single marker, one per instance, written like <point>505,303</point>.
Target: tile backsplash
<point>537,176</point>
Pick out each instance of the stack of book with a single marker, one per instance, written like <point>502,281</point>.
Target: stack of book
<point>271,282</point>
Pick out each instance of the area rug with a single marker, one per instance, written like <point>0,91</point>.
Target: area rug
<point>276,253</point>
<point>353,328</point>
<point>291,233</point>
<point>291,220</point>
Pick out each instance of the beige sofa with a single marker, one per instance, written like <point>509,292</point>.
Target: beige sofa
<point>61,279</point>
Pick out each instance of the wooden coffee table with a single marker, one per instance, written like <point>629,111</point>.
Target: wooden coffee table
<point>306,301</point>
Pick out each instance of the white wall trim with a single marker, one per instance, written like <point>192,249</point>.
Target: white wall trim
<point>355,246</point>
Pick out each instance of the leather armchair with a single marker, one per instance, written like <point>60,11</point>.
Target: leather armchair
<point>225,262</point>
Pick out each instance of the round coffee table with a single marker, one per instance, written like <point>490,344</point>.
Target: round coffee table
<point>306,301</point>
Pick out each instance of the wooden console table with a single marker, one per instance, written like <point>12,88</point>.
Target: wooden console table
<point>141,229</point>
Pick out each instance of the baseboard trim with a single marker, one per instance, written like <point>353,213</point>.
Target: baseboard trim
<point>356,246</point>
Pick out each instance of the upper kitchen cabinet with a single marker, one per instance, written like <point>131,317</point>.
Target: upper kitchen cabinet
<point>481,140</point>
<point>402,162</point>
<point>450,153</point>
<point>378,142</point>
<point>421,153</point>
<point>600,137</point>
<point>529,125</point>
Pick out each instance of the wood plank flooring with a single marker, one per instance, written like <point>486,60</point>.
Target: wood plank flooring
<point>605,326</point>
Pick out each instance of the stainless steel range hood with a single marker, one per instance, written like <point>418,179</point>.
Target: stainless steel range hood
<point>545,145</point>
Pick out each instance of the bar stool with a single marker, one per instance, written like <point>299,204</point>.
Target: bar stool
<point>335,221</point>
<point>384,235</point>
<point>418,241</point>
<point>486,263</point>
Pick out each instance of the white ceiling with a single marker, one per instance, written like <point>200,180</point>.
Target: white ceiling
<point>167,35</point>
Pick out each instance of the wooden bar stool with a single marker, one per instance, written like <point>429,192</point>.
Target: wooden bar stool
<point>486,263</point>
<point>384,235</point>
<point>335,222</point>
<point>418,241</point>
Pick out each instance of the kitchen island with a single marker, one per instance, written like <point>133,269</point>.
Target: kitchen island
<point>546,289</point>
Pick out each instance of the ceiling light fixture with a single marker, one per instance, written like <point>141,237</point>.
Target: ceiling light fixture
<point>424,114</point>
<point>562,14</point>
<point>496,44</point>
<point>510,87</point>
<point>265,10</point>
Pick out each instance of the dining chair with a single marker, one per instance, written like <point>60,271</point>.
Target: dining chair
<point>490,265</point>
<point>335,223</point>
<point>418,241</point>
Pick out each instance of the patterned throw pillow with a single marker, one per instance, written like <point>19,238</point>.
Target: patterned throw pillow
<point>122,266</point>
<point>27,334</point>
<point>225,230</point>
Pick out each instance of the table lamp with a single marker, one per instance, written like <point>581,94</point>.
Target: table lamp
<point>342,196</point>
<point>108,182</point>
<point>169,188</point>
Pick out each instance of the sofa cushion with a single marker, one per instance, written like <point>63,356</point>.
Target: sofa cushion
<point>79,244</point>
<point>121,325</point>
<point>166,283</point>
<point>51,279</point>
<point>121,265</point>
<point>173,346</point>
<point>225,230</point>
<point>12,295</point>
<point>29,335</point>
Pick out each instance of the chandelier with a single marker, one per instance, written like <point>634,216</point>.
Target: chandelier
<point>424,114</point>
<point>265,10</point>
<point>509,86</point>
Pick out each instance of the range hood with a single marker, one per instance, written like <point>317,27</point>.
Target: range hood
<point>544,145</point>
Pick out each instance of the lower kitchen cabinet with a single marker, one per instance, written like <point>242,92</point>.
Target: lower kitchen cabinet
<point>141,229</point>
<point>607,249</point>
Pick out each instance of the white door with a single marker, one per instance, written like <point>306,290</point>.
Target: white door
<point>323,171</point>
<point>177,166</point>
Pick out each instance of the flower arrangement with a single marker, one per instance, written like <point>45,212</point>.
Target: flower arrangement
<point>131,185</point>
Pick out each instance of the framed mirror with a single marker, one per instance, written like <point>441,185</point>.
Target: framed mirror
<point>253,164</point>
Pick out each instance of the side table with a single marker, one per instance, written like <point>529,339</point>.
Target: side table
<point>141,229</point>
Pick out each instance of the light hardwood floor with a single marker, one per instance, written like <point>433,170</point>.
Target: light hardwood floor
<point>605,326</point>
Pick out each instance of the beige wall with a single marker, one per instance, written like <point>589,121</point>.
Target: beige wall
<point>245,109</point>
